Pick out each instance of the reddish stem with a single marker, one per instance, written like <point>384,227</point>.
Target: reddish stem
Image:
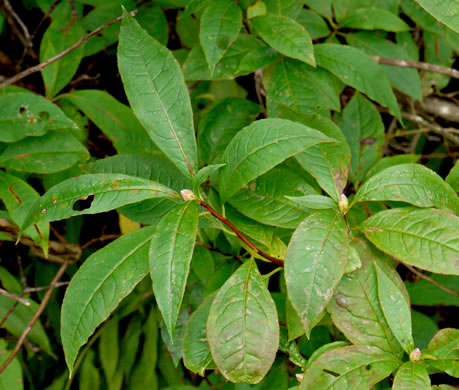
<point>240,235</point>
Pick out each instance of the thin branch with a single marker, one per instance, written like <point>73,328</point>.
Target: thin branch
<point>29,290</point>
<point>26,39</point>
<point>429,279</point>
<point>57,57</point>
<point>240,235</point>
<point>417,65</point>
<point>8,313</point>
<point>99,239</point>
<point>46,16</point>
<point>7,294</point>
<point>35,317</point>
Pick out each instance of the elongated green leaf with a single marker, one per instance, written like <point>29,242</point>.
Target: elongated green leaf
<point>363,128</point>
<point>196,350</point>
<point>11,378</point>
<point>155,167</point>
<point>261,146</point>
<point>443,347</point>
<point>220,25</point>
<point>242,328</point>
<point>18,197</point>
<point>157,93</point>
<point>110,191</point>
<point>392,161</point>
<point>453,177</point>
<point>411,376</point>
<point>27,114</point>
<point>221,123</point>
<point>358,70</point>
<point>302,88</point>
<point>313,23</point>
<point>256,59</point>
<point>374,19</point>
<point>19,319</point>
<point>446,11</point>
<point>328,163</point>
<point>426,238</point>
<point>404,79</point>
<point>351,367</point>
<point>52,152</point>
<point>355,307</point>
<point>98,287</point>
<point>290,8</point>
<point>411,183</point>
<point>316,202</point>
<point>109,349</point>
<point>203,174</point>
<point>114,119</point>
<point>396,310</point>
<point>196,67</point>
<point>315,262</point>
<point>264,199</point>
<point>194,6</point>
<point>63,32</point>
<point>286,36</point>
<point>170,257</point>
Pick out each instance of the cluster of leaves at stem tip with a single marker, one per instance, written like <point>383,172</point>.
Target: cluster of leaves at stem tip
<point>296,187</point>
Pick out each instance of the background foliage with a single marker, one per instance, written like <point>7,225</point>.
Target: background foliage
<point>275,189</point>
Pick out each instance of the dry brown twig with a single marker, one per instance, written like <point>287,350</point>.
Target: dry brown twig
<point>429,279</point>
<point>57,57</point>
<point>16,298</point>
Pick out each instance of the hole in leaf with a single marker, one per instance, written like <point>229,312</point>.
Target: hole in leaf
<point>83,203</point>
<point>22,110</point>
<point>335,374</point>
<point>368,367</point>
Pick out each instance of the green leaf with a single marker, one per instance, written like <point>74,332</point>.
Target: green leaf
<point>391,161</point>
<point>221,123</point>
<point>411,183</point>
<point>314,264</point>
<point>100,15</point>
<point>196,67</point>
<point>110,191</point>
<point>18,320</point>
<point>446,11</point>
<point>355,308</point>
<point>157,93</point>
<point>396,310</point>
<point>153,20</point>
<point>60,35</point>
<point>374,19</point>
<point>424,329</point>
<point>424,293</point>
<point>194,6</point>
<point>265,198</point>
<point>261,146</point>
<point>313,23</point>
<point>18,197</point>
<point>256,59</point>
<point>425,238</point>
<point>411,376</point>
<point>99,285</point>
<point>358,70</point>
<point>52,152</point>
<point>328,163</point>
<point>363,128</point>
<point>170,257</point>
<point>27,114</point>
<point>109,349</point>
<point>302,88</point>
<point>351,367</point>
<point>289,8</point>
<point>114,119</point>
<point>443,348</point>
<point>220,25</point>
<point>404,79</point>
<point>453,177</point>
<point>196,350</point>
<point>203,175</point>
<point>11,378</point>
<point>156,167</point>
<point>316,202</point>
<point>286,36</point>
<point>242,328</point>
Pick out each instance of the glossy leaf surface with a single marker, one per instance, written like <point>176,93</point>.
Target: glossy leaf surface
<point>425,238</point>
<point>98,287</point>
<point>242,328</point>
<point>314,264</point>
<point>157,93</point>
<point>261,146</point>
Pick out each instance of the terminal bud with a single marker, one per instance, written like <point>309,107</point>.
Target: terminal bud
<point>187,195</point>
